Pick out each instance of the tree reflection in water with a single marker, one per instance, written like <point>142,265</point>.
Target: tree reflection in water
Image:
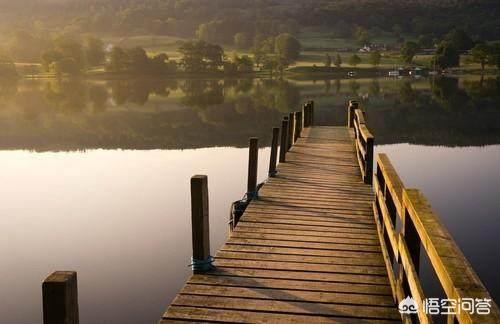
<point>169,113</point>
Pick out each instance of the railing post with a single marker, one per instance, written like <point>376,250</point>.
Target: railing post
<point>305,110</point>
<point>253,158</point>
<point>201,260</point>
<point>311,114</point>
<point>369,161</point>
<point>283,142</point>
<point>274,152</point>
<point>296,133</point>
<point>411,237</point>
<point>291,126</point>
<point>60,298</point>
<point>351,108</point>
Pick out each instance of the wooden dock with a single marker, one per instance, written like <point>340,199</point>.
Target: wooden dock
<point>318,245</point>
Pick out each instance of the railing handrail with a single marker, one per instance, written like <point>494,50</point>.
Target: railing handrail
<point>421,226</point>
<point>363,140</point>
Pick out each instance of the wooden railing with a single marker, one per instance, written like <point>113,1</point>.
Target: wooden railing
<point>363,140</point>
<point>420,227</point>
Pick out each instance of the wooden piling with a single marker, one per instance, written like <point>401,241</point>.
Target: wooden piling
<point>60,298</point>
<point>200,224</point>
<point>283,142</point>
<point>351,107</point>
<point>298,125</point>
<point>311,113</point>
<point>291,126</point>
<point>253,157</point>
<point>305,112</point>
<point>274,152</point>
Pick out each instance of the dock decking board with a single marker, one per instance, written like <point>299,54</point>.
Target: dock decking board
<point>306,251</point>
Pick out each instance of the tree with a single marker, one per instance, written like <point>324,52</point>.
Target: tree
<point>199,56</point>
<point>328,60</point>
<point>338,60</point>
<point>375,58</point>
<point>495,55</point>
<point>354,60</point>
<point>241,40</point>
<point>397,30</point>
<point>460,39</point>
<point>118,60</point>
<point>48,57</point>
<point>481,53</point>
<point>446,56</point>
<point>7,67</point>
<point>362,36</point>
<point>408,51</point>
<point>424,41</point>
<point>287,47</point>
<point>94,51</point>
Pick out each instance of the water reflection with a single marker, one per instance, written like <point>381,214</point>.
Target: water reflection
<point>121,218</point>
<point>169,113</point>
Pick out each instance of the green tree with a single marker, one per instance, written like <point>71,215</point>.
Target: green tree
<point>94,51</point>
<point>338,60</point>
<point>375,58</point>
<point>362,36</point>
<point>118,60</point>
<point>424,41</point>
<point>354,60</point>
<point>7,67</point>
<point>460,39</point>
<point>199,56</point>
<point>397,30</point>
<point>241,40</point>
<point>328,60</point>
<point>287,47</point>
<point>495,55</point>
<point>408,51</point>
<point>481,53</point>
<point>446,56</point>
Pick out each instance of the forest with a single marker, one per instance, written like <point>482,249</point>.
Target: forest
<point>58,34</point>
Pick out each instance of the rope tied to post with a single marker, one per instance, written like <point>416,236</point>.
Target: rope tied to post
<point>202,265</point>
<point>238,207</point>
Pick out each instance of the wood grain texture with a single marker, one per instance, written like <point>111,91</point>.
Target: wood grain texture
<point>306,251</point>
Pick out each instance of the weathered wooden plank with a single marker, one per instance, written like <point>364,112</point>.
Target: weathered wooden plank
<point>290,284</point>
<point>305,238</point>
<point>291,307</point>
<point>239,254</point>
<point>368,256</point>
<point>306,245</point>
<point>301,275</point>
<point>298,266</point>
<point>207,315</point>
<point>287,295</point>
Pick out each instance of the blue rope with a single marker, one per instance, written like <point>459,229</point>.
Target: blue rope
<point>202,265</point>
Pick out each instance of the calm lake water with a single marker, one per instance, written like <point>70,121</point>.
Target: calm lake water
<point>95,174</point>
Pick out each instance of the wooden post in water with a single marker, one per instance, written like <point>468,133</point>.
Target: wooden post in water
<point>253,157</point>
<point>351,108</point>
<point>291,126</point>
<point>60,298</point>
<point>274,152</point>
<point>298,125</point>
<point>283,142</point>
<point>201,260</point>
